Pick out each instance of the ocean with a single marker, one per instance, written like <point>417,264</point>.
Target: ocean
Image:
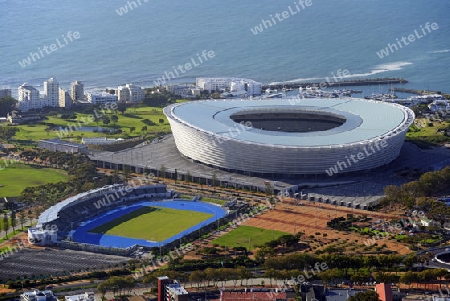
<point>109,43</point>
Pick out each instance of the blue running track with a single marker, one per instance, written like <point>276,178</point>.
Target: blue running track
<point>82,234</point>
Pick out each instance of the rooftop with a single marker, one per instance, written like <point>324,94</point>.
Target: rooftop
<point>365,119</point>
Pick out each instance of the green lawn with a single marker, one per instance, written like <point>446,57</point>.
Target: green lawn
<point>16,177</point>
<point>240,236</point>
<point>152,223</point>
<point>426,135</point>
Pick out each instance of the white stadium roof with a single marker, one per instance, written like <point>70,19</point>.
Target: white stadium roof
<point>365,120</point>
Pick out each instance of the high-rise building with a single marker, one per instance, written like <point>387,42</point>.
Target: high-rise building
<point>77,91</point>
<point>51,93</point>
<point>130,93</point>
<point>28,97</point>
<point>65,101</point>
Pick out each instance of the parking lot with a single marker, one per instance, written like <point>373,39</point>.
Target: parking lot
<point>47,261</point>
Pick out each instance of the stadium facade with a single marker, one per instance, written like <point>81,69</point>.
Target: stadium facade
<point>290,136</point>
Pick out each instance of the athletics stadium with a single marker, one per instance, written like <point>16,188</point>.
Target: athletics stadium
<point>103,218</point>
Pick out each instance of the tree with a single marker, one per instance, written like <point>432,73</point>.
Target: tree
<point>106,120</point>
<point>121,107</point>
<point>132,129</point>
<point>162,171</point>
<point>214,180</point>
<point>197,276</point>
<point>7,132</point>
<point>13,221</point>
<point>271,274</point>
<point>365,296</point>
<point>7,105</point>
<point>114,119</point>
<point>102,289</point>
<point>126,172</point>
<point>188,177</point>
<point>30,216</point>
<point>5,224</point>
<point>144,128</point>
<point>97,119</point>
<point>22,218</point>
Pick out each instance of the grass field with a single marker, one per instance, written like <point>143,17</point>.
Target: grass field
<point>245,235</point>
<point>204,199</point>
<point>16,177</point>
<point>424,135</point>
<point>152,223</point>
<point>133,118</point>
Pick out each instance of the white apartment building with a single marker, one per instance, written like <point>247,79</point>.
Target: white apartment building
<point>213,84</point>
<point>28,97</point>
<point>130,93</point>
<point>51,93</point>
<point>230,84</point>
<point>101,98</point>
<point>77,91</point>
<point>65,101</point>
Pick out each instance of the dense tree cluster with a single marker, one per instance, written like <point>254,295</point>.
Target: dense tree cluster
<point>416,194</point>
<point>117,285</point>
<point>7,104</point>
<point>365,296</point>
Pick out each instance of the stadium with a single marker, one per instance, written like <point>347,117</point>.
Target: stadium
<point>289,136</point>
<point>117,219</point>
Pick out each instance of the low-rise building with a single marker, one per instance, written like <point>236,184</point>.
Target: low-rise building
<point>230,84</point>
<point>56,145</point>
<point>384,291</point>
<point>101,98</point>
<point>42,237</point>
<point>87,296</point>
<point>100,140</point>
<point>15,118</point>
<point>38,295</point>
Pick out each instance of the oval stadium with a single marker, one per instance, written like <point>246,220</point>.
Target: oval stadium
<point>290,136</point>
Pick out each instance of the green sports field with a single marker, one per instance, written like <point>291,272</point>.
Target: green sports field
<point>243,235</point>
<point>16,177</point>
<point>152,223</point>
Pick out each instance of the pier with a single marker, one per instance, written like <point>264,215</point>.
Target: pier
<point>418,92</point>
<point>358,82</point>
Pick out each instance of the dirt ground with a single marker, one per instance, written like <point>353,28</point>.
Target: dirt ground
<point>313,217</point>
